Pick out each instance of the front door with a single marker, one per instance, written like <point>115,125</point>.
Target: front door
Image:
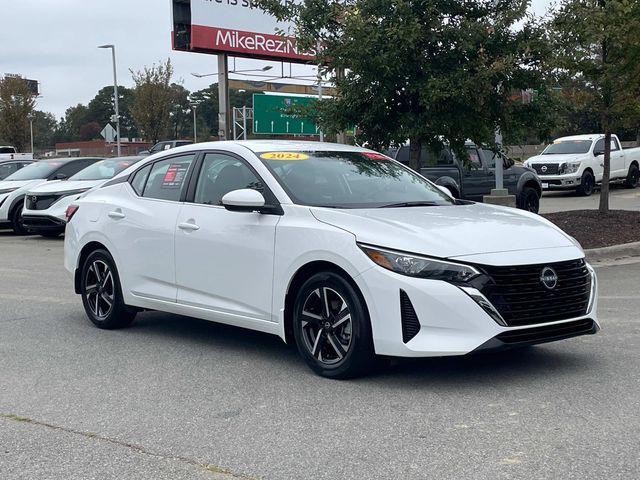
<point>224,259</point>
<point>477,181</point>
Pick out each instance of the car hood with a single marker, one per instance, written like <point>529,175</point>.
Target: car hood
<point>448,231</point>
<point>66,186</point>
<point>574,157</point>
<point>19,184</point>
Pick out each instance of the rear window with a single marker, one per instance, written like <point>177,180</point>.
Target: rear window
<point>7,150</point>
<point>105,169</point>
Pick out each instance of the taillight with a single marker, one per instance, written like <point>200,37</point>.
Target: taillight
<point>71,211</point>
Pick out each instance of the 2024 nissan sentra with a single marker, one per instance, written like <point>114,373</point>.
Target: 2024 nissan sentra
<point>339,249</point>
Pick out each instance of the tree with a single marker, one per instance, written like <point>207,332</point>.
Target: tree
<point>90,131</point>
<point>180,123</point>
<point>102,107</point>
<point>44,129</point>
<point>597,43</point>
<point>424,70</point>
<point>74,119</point>
<point>16,104</point>
<point>207,100</point>
<point>153,96</point>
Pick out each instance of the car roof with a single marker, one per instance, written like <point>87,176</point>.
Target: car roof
<point>16,160</point>
<point>590,136</point>
<point>257,146</point>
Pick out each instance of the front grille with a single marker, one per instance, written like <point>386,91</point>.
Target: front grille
<point>41,202</point>
<point>408,317</point>
<point>518,293</point>
<point>545,168</point>
<point>548,333</point>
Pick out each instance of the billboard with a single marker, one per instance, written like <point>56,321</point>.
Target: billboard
<point>33,85</point>
<point>233,27</point>
<point>271,116</point>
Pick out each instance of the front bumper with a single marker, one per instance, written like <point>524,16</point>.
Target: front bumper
<point>43,223</point>
<point>450,321</point>
<point>560,182</point>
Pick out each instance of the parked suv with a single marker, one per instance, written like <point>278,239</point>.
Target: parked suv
<point>476,179</point>
<point>166,145</point>
<point>9,167</point>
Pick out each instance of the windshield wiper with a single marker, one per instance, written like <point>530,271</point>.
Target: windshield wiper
<point>410,204</point>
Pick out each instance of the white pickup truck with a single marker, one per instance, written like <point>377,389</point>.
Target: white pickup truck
<point>577,163</point>
<point>10,153</point>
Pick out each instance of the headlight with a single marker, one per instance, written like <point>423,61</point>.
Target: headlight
<point>422,267</point>
<point>571,167</point>
<point>8,190</point>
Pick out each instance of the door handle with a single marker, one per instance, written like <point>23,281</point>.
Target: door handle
<point>190,227</point>
<point>116,215</point>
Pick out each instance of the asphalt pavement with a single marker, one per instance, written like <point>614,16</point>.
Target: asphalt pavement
<point>620,198</point>
<point>178,398</point>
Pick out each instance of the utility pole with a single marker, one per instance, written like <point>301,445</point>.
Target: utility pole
<point>194,107</point>
<point>223,96</point>
<point>115,93</point>
<point>31,127</point>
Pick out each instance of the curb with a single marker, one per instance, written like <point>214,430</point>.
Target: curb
<point>613,252</point>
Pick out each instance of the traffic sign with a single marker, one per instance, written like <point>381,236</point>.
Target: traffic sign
<point>272,115</point>
<point>108,133</point>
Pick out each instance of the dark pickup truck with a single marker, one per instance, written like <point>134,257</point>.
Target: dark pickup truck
<point>478,177</point>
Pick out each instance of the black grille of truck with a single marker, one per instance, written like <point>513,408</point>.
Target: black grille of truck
<point>545,168</point>
<point>519,295</point>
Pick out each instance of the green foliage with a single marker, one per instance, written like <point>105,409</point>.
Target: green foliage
<point>44,129</point>
<point>597,45</point>
<point>16,105</point>
<point>426,70</point>
<point>152,106</point>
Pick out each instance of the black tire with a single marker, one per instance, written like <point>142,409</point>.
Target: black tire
<point>342,347</point>
<point>99,283</point>
<point>633,177</point>
<point>587,184</point>
<point>17,223</point>
<point>529,200</point>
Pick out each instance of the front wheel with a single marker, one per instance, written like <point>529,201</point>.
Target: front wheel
<point>529,200</point>
<point>587,184</point>
<point>332,328</point>
<point>633,177</point>
<point>102,294</point>
<point>17,222</point>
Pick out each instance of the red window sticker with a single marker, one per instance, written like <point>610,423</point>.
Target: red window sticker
<point>175,175</point>
<point>375,156</point>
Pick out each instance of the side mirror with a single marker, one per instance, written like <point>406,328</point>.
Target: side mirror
<point>508,162</point>
<point>445,190</point>
<point>60,176</point>
<point>597,153</point>
<point>243,200</point>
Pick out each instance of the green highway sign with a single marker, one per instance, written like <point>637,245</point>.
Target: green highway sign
<point>271,117</point>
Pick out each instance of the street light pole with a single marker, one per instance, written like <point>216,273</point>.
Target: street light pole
<point>115,92</point>
<point>194,107</point>
<point>31,127</point>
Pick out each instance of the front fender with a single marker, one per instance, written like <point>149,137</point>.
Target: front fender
<point>528,177</point>
<point>450,183</point>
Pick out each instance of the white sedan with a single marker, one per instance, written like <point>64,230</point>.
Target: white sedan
<point>45,206</point>
<point>339,249</point>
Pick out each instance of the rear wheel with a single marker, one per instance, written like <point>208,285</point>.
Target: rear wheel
<point>633,177</point>
<point>529,200</point>
<point>102,294</point>
<point>332,328</point>
<point>17,222</point>
<point>587,184</point>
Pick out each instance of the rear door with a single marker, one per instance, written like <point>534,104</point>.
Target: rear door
<point>142,219</point>
<point>224,259</point>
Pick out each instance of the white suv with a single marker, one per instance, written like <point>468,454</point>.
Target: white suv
<point>339,249</point>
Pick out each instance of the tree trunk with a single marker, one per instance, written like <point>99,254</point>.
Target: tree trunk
<point>604,190</point>
<point>415,147</point>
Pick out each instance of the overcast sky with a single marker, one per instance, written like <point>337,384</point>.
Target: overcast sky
<point>54,42</point>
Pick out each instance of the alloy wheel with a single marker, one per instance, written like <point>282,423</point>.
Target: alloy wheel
<point>327,326</point>
<point>100,289</point>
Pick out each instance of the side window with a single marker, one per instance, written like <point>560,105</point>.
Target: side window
<point>7,169</point>
<point>614,145</point>
<point>490,157</point>
<point>167,178</point>
<point>221,174</point>
<point>474,158</point>
<point>140,179</point>
<point>71,168</point>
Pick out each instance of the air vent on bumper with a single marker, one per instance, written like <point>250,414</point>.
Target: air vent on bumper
<point>408,317</point>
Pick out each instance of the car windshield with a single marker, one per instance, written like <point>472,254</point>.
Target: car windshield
<point>567,147</point>
<point>105,169</point>
<point>35,171</point>
<point>350,180</point>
